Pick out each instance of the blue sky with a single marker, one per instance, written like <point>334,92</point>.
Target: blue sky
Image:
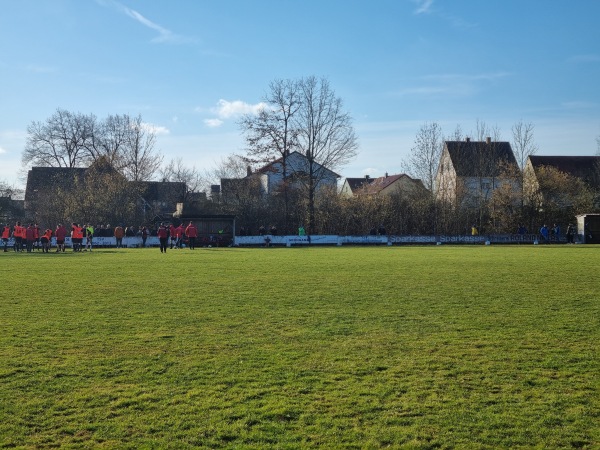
<point>190,67</point>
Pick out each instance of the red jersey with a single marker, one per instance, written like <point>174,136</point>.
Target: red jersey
<point>19,231</point>
<point>191,231</point>
<point>48,234</point>
<point>162,233</point>
<point>77,232</point>
<point>6,232</point>
<point>179,231</point>
<point>30,233</point>
<point>61,233</point>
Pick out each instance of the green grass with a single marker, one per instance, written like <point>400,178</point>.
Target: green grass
<point>401,347</point>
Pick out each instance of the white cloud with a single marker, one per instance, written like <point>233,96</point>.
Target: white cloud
<point>156,129</point>
<point>226,109</point>
<point>2,150</point>
<point>164,35</point>
<point>423,6</point>
<point>213,123</point>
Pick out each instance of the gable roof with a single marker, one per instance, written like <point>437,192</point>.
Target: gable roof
<point>269,167</point>
<point>586,168</point>
<point>44,179</point>
<point>381,183</point>
<point>479,158</point>
<point>357,183</point>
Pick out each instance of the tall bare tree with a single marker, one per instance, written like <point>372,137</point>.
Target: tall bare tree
<point>523,143</point>
<point>271,134</point>
<point>325,135</point>
<point>61,141</point>
<point>140,160</point>
<point>426,153</point>
<point>110,139</point>
<point>177,171</point>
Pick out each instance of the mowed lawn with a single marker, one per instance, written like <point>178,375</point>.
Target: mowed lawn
<point>339,347</point>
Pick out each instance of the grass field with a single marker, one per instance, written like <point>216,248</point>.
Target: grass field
<point>400,347</point>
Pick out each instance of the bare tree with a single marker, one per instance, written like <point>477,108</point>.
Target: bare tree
<point>177,171</point>
<point>325,135</point>
<point>426,153</point>
<point>110,139</point>
<point>523,144</point>
<point>271,133</point>
<point>140,161</point>
<point>61,141</point>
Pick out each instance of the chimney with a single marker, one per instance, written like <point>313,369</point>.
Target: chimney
<point>386,174</point>
<point>367,177</point>
<point>248,170</point>
<point>468,139</point>
<point>488,140</point>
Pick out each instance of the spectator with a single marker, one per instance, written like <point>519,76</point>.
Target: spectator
<point>119,233</point>
<point>544,233</point>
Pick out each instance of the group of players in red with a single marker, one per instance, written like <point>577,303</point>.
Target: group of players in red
<point>31,237</point>
<point>177,235</point>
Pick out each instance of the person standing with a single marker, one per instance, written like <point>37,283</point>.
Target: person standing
<point>119,233</point>
<point>6,236</point>
<point>556,232</point>
<point>89,235</point>
<point>36,236</point>
<point>18,235</point>
<point>544,233</point>
<point>163,237</point>
<point>192,233</point>
<point>180,230</point>
<point>570,234</point>
<point>61,234</point>
<point>144,233</point>
<point>173,234</point>
<point>29,237</point>
<point>76,237</point>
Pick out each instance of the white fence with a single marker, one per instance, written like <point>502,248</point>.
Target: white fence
<point>382,240</point>
<point>289,241</point>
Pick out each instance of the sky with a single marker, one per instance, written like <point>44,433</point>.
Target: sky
<point>190,68</point>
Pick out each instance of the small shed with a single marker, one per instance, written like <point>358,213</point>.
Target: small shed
<point>588,228</point>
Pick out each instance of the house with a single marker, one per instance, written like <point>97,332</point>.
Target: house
<point>586,168</point>
<point>270,177</point>
<point>46,182</point>
<point>352,186</point>
<point>544,179</point>
<point>385,185</point>
<point>47,185</point>
<point>470,171</point>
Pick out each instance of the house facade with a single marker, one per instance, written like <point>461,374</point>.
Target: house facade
<point>470,171</point>
<point>55,184</point>
<point>269,178</point>
<point>385,185</point>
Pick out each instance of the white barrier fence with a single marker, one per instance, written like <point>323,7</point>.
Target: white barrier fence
<point>288,241</point>
<point>133,241</point>
<point>382,240</point>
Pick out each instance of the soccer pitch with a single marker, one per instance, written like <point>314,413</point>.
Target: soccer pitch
<point>337,347</point>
